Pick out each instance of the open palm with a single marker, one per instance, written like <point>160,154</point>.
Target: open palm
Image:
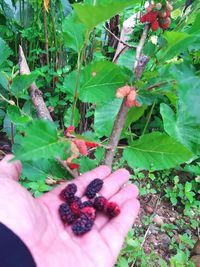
<point>52,244</point>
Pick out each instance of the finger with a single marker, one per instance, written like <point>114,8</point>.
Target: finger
<point>82,181</point>
<point>126,193</point>
<point>10,170</point>
<point>113,183</point>
<point>118,227</point>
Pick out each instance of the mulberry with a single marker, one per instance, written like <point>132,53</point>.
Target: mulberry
<point>82,225</point>
<point>87,203</point>
<point>154,26</point>
<point>100,203</point>
<point>90,212</point>
<point>93,188</point>
<point>66,214</point>
<point>69,192</point>
<point>112,209</point>
<point>76,205</point>
<point>149,17</point>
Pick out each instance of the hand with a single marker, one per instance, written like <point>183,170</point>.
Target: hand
<point>52,244</point>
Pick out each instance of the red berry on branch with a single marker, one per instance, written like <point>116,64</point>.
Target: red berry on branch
<point>154,26</point>
<point>91,144</point>
<point>73,166</point>
<point>68,132</point>
<point>149,17</point>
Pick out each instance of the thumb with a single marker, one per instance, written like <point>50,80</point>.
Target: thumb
<point>10,170</point>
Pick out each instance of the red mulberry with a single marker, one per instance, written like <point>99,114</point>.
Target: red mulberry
<point>112,209</point>
<point>90,212</point>
<point>100,203</point>
<point>76,205</point>
<point>93,188</point>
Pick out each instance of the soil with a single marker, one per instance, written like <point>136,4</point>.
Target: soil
<point>157,240</point>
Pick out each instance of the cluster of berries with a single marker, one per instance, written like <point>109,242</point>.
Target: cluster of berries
<point>78,146</point>
<point>158,15</point>
<point>130,94</point>
<point>81,215</point>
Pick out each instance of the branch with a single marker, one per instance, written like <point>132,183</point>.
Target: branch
<point>66,167</point>
<point>121,116</point>
<point>118,39</point>
<point>34,92</point>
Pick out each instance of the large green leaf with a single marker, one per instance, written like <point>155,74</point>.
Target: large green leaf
<point>22,83</point>
<point>5,51</point>
<point>156,151</point>
<point>67,117</point>
<point>100,81</point>
<point>41,141</point>
<point>104,117</point>
<point>188,85</point>
<point>74,33</point>
<point>177,42</point>
<point>93,13</point>
<point>182,127</point>
<point>17,116</point>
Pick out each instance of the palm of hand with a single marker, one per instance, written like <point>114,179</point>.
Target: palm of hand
<point>52,244</point>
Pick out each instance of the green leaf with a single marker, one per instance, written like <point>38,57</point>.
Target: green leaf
<point>188,85</point>
<point>181,126</point>
<point>41,141</point>
<point>17,116</point>
<point>100,81</point>
<point>133,115</point>
<point>177,42</point>
<point>93,14</point>
<point>22,83</point>
<point>74,33</point>
<point>87,164</point>
<point>156,151</point>
<point>36,170</point>
<point>67,117</point>
<point>104,117</point>
<point>3,80</point>
<point>5,51</point>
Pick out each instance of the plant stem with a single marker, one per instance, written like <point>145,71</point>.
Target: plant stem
<point>121,116</point>
<point>149,117</point>
<point>79,65</point>
<point>46,35</point>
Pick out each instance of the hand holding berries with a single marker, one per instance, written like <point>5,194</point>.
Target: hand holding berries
<point>82,215</point>
<point>49,240</point>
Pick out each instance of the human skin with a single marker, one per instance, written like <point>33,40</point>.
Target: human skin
<point>52,244</point>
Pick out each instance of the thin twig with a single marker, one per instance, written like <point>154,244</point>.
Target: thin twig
<point>119,40</point>
<point>156,85</point>
<point>66,167</point>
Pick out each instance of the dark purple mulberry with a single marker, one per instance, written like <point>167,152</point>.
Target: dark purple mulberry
<point>66,214</point>
<point>93,188</point>
<point>68,193</point>
<point>87,203</point>
<point>100,203</point>
<point>82,225</point>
